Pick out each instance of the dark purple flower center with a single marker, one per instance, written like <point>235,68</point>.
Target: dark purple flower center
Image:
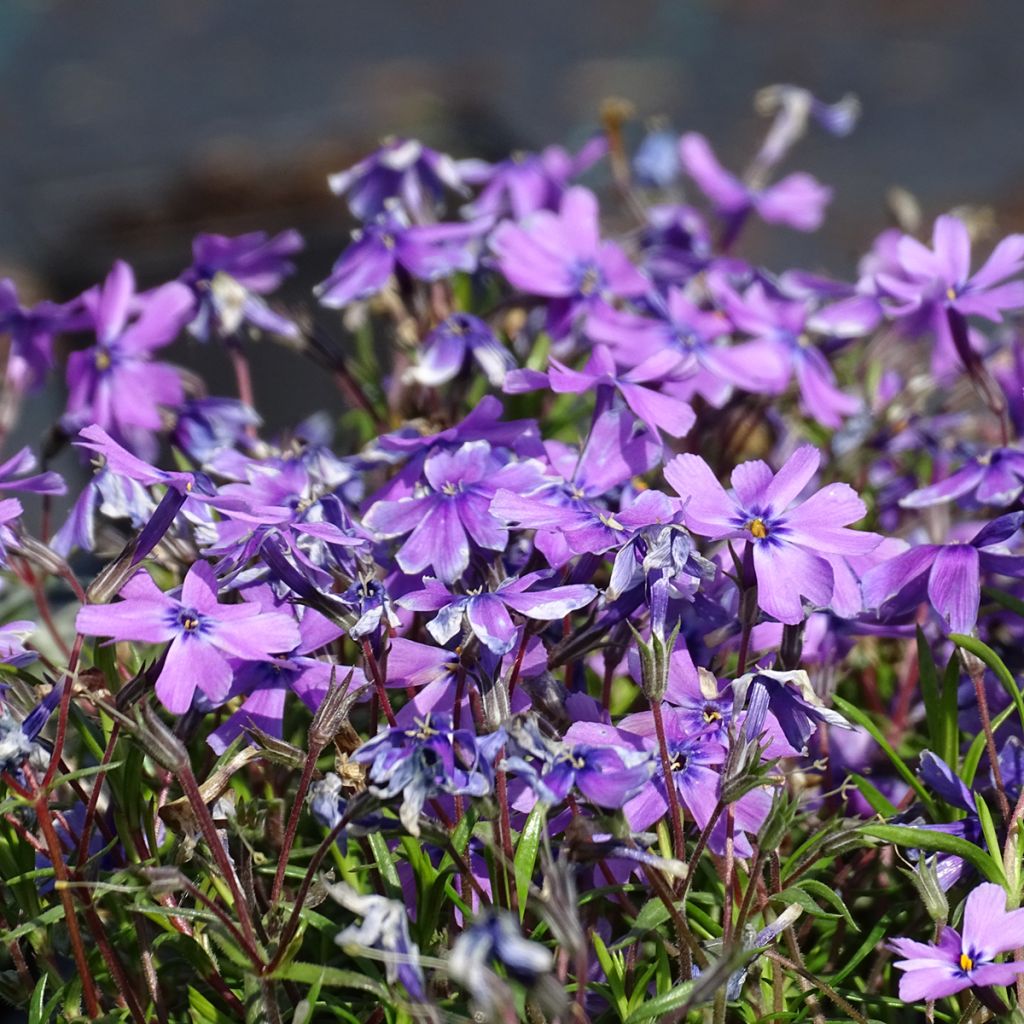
<point>190,620</point>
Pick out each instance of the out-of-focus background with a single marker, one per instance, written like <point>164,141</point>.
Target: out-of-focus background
<point>130,126</point>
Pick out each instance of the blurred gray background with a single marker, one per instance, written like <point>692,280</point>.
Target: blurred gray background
<point>129,126</point>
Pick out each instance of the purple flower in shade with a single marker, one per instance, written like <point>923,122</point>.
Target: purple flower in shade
<point>448,348</point>
<point>13,651</point>
<point>792,701</point>
<point>266,683</point>
<point>948,575</point>
<point>798,200</point>
<point>995,478</point>
<point>940,277</point>
<point>426,251</point>
<point>638,386</point>
<point>452,512</point>
<point>527,182</point>
<point>605,775</point>
<point>562,257</point>
<point>701,335</point>
<point>206,426</point>
<point>385,929</point>
<point>31,331</point>
<point>203,634</point>
<point>426,759</point>
<point>956,962</point>
<point>571,515</point>
<point>695,762</point>
<point>228,276</point>
<point>784,327</point>
<point>662,551</point>
<point>402,169</point>
<point>793,549</point>
<point>10,508</point>
<point>487,611</point>
<point>115,384</point>
<point>18,740</point>
<point>675,244</point>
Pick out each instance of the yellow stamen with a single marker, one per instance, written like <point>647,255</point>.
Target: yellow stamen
<point>966,963</point>
<point>102,360</point>
<point>757,528</point>
<point>951,294</point>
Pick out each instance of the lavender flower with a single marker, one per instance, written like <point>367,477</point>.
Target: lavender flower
<point>948,573</point>
<point>402,169</point>
<point>486,612</point>
<point>203,633</point>
<point>115,384</point>
<point>447,349</point>
<point>389,243</point>
<point>994,478</point>
<point>956,962</point>
<point>793,549</point>
<point>32,331</point>
<point>229,276</point>
<point>562,257</point>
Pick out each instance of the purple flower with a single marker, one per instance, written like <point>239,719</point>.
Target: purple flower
<point>798,200</point>
<point>446,351</point>
<point>656,161</point>
<point>203,634</point>
<point>115,384</point>
<point>941,277</point>
<point>606,775</point>
<point>228,276</point>
<point>427,252</point>
<point>13,651</point>
<point>948,574</point>
<point>527,182</point>
<point>956,962</point>
<point>401,169</point>
<point>426,759</point>
<point>637,386</point>
<point>486,612</point>
<point>32,331</point>
<point>793,549</point>
<point>561,256</point>
<point>452,510</point>
<point>995,478</point>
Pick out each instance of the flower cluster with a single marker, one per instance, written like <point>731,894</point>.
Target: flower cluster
<point>659,596</point>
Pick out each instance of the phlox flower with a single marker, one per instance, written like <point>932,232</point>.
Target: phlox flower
<point>203,633</point>
<point>794,548</point>
<point>958,961</point>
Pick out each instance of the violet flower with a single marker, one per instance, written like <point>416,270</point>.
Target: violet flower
<point>798,200</point>
<point>446,351</point>
<point>451,511</point>
<point>793,548</point>
<point>115,384</point>
<point>657,410</point>
<point>13,651</point>
<point>228,276</point>
<point>487,612</point>
<point>203,634</point>
<point>994,478</point>
<point>958,961</point>
<point>32,331</point>
<point>426,759</point>
<point>527,182</point>
<point>948,574</point>
<point>402,169</point>
<point>941,277</point>
<point>562,257</point>
<point>427,252</point>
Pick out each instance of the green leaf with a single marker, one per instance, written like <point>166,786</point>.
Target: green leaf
<point>335,977</point>
<point>37,1002</point>
<point>858,716</point>
<point>385,865</point>
<point>804,900</point>
<point>926,839</point>
<point>977,748</point>
<point>40,921</point>
<point>823,892</point>
<point>877,800</point>
<point>203,1011</point>
<point>950,751</point>
<point>526,853</point>
<point>660,1006</point>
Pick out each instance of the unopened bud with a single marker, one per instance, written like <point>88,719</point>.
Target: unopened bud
<point>926,881</point>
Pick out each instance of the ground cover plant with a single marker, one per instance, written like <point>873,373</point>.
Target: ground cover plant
<point>646,647</point>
